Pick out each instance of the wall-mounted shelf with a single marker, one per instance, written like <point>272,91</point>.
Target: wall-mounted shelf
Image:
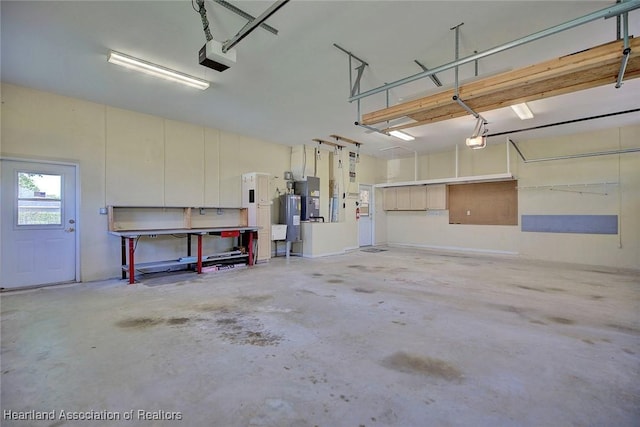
<point>456,180</point>
<point>123,218</point>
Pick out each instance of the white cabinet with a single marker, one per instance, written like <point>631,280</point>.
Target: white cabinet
<point>390,198</point>
<point>256,199</point>
<point>405,198</point>
<point>418,196</point>
<point>437,196</point>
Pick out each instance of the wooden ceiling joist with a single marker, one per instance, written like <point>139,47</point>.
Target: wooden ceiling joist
<point>333,144</point>
<point>571,73</point>
<point>350,141</point>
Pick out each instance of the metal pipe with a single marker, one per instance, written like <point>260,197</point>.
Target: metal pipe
<point>625,29</point>
<point>466,107</point>
<point>457,54</point>
<point>609,12</point>
<point>252,25</point>
<point>577,156</point>
<point>623,67</point>
<point>245,15</point>
<point>371,128</point>
<point>618,28</point>
<point>626,51</point>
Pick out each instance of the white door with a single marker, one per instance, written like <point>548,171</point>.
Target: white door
<point>38,224</point>
<point>365,223</point>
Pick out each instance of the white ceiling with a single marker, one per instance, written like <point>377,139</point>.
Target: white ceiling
<point>293,87</point>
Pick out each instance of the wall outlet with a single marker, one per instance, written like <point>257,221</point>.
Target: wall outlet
<point>468,213</point>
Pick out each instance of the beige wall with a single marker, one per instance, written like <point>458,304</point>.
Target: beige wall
<point>129,158</point>
<point>431,229</point>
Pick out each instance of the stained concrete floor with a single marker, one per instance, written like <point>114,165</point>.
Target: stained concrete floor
<point>396,338</point>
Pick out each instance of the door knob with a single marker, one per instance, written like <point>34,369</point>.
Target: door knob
<point>70,230</point>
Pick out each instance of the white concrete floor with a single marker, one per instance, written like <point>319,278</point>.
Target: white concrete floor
<point>396,338</point>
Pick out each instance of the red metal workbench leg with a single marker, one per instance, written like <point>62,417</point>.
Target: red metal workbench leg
<point>132,269</point>
<point>199,253</point>
<point>250,247</point>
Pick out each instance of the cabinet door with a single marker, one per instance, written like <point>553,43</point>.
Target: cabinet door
<point>403,198</point>
<point>264,234</point>
<point>418,198</point>
<point>262,188</point>
<point>390,198</point>
<point>437,196</point>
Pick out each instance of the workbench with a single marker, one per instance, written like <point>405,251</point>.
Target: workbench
<point>129,237</point>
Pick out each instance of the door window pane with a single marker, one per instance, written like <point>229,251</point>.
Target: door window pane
<point>364,202</point>
<point>39,199</point>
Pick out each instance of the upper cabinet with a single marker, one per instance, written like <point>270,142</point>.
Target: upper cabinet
<point>437,196</point>
<point>390,199</point>
<point>405,198</point>
<point>415,197</point>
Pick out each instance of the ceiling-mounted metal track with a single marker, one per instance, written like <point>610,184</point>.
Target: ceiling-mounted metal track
<point>612,11</point>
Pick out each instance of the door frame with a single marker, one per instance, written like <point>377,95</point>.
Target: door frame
<point>372,215</point>
<point>78,224</point>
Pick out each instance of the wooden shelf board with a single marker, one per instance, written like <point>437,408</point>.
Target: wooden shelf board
<point>579,71</point>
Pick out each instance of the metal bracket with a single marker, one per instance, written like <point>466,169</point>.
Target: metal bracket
<point>355,86</point>
<point>626,51</point>
<point>457,54</point>
<point>245,15</point>
<point>436,81</point>
<point>252,25</point>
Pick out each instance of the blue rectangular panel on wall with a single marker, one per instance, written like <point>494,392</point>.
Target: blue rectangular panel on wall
<point>586,224</point>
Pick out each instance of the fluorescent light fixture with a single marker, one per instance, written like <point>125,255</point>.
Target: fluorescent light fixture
<point>155,70</point>
<point>402,135</point>
<point>523,111</point>
<point>477,142</point>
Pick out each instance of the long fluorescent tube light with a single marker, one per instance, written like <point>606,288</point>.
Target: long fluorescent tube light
<point>156,70</point>
<point>523,111</point>
<point>402,135</point>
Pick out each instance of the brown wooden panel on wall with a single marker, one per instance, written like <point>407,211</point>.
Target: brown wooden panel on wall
<point>484,203</point>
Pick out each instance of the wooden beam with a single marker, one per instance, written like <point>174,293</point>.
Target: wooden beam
<point>342,138</point>
<point>579,71</point>
<point>333,144</point>
<point>451,112</point>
